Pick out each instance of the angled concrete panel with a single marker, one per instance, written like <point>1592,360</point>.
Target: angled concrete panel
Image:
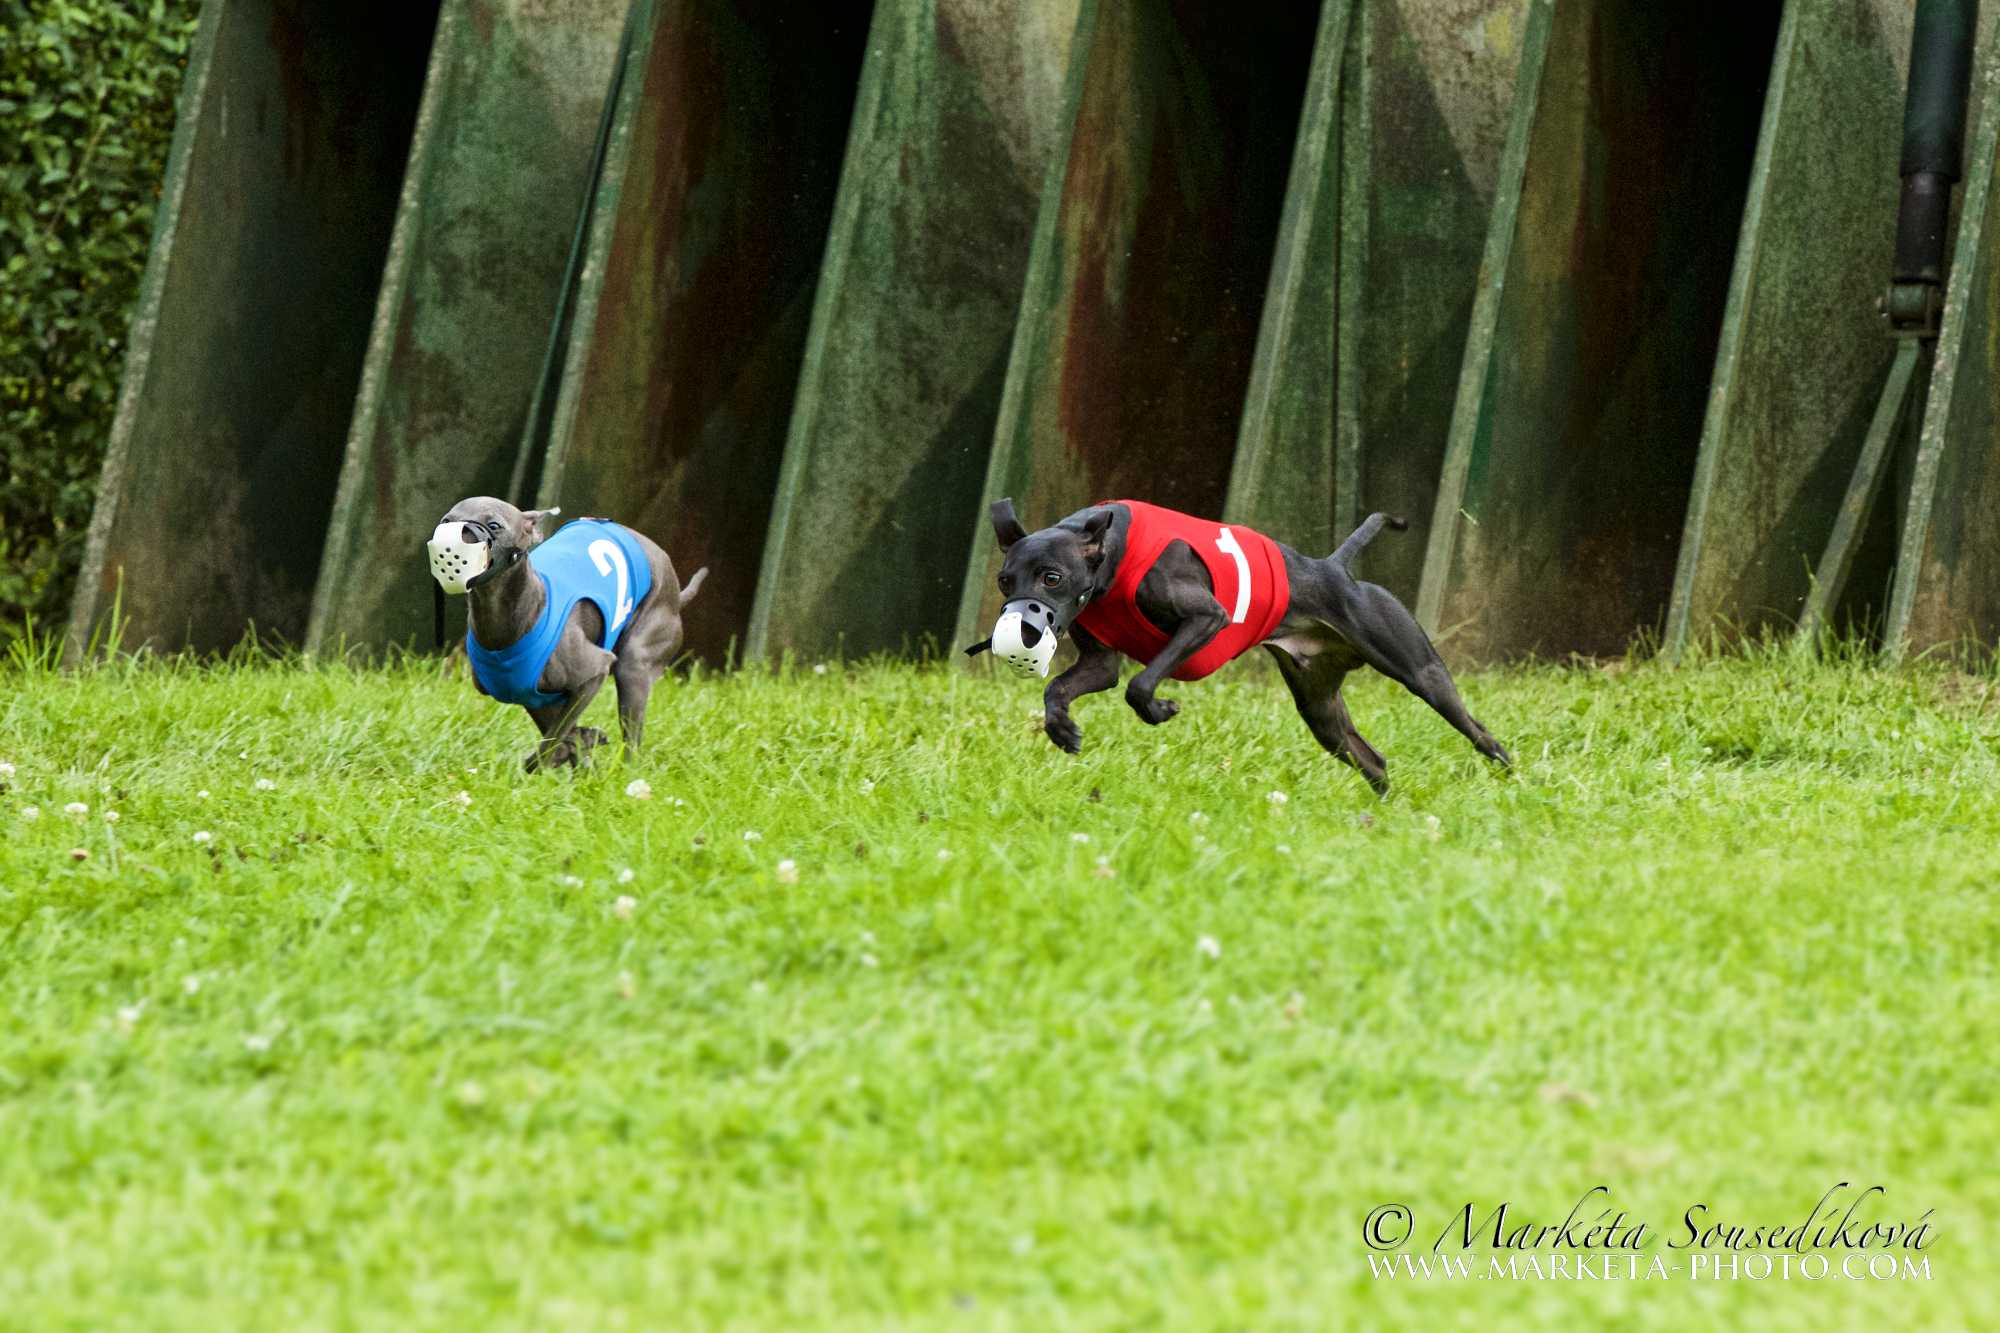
<point>253,316</point>
<point>1376,265</point>
<point>1579,408</point>
<point>710,228</point>
<point>498,176</point>
<point>1145,289</point>
<point>1947,583</point>
<point>872,520</point>
<point>1803,355</point>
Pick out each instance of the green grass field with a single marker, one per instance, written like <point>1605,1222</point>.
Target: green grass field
<point>910,1023</point>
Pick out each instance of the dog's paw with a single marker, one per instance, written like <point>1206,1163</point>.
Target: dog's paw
<point>1153,711</point>
<point>588,739</point>
<point>1064,731</point>
<point>550,756</point>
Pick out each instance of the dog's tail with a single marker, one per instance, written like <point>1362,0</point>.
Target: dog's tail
<point>1361,536</point>
<point>693,585</point>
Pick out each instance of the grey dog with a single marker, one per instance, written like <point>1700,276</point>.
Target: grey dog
<point>506,605</point>
<point>1333,624</point>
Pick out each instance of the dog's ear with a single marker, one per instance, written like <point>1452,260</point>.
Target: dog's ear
<point>533,518</point>
<point>1005,526</point>
<point>1095,525</point>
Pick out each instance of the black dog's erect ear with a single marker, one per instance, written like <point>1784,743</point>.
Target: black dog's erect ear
<point>1095,525</point>
<point>1005,526</point>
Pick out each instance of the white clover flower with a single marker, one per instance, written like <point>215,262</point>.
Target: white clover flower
<point>752,835</point>
<point>30,813</point>
<point>6,771</point>
<point>471,1094</point>
<point>1079,838</point>
<point>944,854</point>
<point>625,905</point>
<point>76,809</point>
<point>869,960</point>
<point>868,938</point>
<point>265,784</point>
<point>111,816</point>
<point>1277,800</point>
<point>191,983</point>
<point>788,872</point>
<point>639,789</point>
<point>1205,1007</point>
<point>462,800</point>
<point>820,670</point>
<point>866,786</point>
<point>204,836</point>
<point>129,1016</point>
<point>473,771</point>
<point>1433,827</point>
<point>1208,947</point>
<point>570,882</point>
<point>244,755</point>
<point>256,1043</point>
<point>1198,819</point>
<point>201,795</point>
<point>625,876</point>
<point>628,985</point>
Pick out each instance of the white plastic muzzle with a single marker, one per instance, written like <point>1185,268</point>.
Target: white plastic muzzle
<point>455,560</point>
<point>1025,637</point>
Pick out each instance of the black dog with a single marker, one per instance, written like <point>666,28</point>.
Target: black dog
<point>1328,624</point>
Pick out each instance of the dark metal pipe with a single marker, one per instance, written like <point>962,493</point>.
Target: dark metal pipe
<point>1933,134</point>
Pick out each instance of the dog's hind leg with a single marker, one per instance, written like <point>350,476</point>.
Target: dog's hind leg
<point>1315,684</point>
<point>643,657</point>
<point>1391,641</point>
<point>635,681</point>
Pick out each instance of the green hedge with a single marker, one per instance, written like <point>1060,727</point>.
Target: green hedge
<point>87,94</point>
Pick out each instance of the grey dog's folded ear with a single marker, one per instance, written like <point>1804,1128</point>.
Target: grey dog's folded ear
<point>534,518</point>
<point>1005,526</point>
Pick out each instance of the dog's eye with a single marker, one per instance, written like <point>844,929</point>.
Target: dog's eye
<point>1006,584</point>
<point>1051,579</point>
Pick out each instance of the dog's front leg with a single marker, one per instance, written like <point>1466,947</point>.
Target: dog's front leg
<point>1177,595</point>
<point>1095,668</point>
<point>1190,637</point>
<point>562,741</point>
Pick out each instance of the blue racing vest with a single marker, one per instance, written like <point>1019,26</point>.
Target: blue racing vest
<point>592,558</point>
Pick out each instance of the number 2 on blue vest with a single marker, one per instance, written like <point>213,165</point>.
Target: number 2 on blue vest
<point>606,555</point>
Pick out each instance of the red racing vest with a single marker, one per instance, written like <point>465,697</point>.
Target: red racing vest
<point>1247,568</point>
